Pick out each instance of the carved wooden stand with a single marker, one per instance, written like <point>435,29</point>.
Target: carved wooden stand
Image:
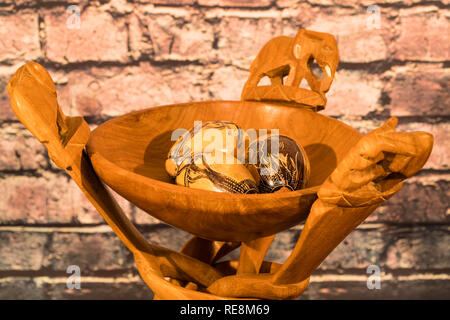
<point>351,175</point>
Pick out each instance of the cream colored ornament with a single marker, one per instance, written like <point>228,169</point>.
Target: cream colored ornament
<point>205,158</point>
<point>216,141</point>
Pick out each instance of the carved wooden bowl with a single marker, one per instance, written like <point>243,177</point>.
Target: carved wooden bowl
<point>351,175</point>
<point>128,154</point>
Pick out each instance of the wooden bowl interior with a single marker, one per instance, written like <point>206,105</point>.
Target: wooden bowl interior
<point>129,153</point>
<point>144,139</point>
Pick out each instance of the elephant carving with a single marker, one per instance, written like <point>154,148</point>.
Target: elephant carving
<point>286,61</point>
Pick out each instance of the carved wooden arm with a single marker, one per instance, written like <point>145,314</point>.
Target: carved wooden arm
<point>371,172</point>
<point>33,100</point>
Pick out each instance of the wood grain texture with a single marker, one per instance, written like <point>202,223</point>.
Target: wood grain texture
<point>33,99</point>
<point>129,154</point>
<point>206,250</point>
<point>257,285</point>
<point>371,172</point>
<point>350,175</point>
<point>252,254</point>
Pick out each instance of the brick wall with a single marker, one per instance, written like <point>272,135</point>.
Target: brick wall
<point>129,55</point>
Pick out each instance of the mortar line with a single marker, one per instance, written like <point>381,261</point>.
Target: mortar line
<point>314,278</point>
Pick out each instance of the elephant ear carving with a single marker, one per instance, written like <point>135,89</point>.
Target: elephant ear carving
<point>310,57</point>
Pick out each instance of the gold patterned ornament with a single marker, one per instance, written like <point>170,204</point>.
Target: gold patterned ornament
<point>205,158</point>
<point>216,141</point>
<point>233,178</point>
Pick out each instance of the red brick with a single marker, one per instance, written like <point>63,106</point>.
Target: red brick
<point>357,40</point>
<point>422,200</point>
<point>438,159</point>
<point>19,37</point>
<point>235,3</point>
<point>6,112</point>
<point>168,2</point>
<point>14,191</point>
<point>68,2</point>
<point>173,38</point>
<point>82,209</point>
<point>19,150</point>
<point>300,14</point>
<point>407,248</point>
<point>391,289</point>
<point>411,90</point>
<point>167,236</point>
<point>419,89</point>
<point>226,83</point>
<point>282,245</point>
<point>440,155</point>
<point>286,3</point>
<point>100,37</point>
<point>353,93</point>
<point>121,288</point>
<point>420,248</point>
<point>22,250</point>
<point>115,91</point>
<point>50,199</point>
<point>139,39</point>
<point>360,249</point>
<point>11,3</point>
<point>353,3</point>
<point>91,252</point>
<point>357,3</point>
<point>21,288</point>
<point>423,36</point>
<point>240,39</point>
<point>405,2</point>
<point>118,7</point>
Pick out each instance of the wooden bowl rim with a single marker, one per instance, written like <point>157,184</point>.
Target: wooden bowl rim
<point>97,158</point>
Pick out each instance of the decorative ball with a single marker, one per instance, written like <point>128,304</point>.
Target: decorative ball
<point>216,141</point>
<point>287,168</point>
<point>205,158</point>
<point>233,178</point>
